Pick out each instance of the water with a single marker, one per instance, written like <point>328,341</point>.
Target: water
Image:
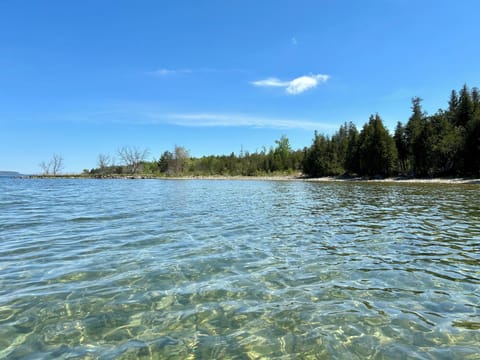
<point>126,269</point>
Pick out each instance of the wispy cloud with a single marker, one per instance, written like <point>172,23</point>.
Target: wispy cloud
<point>295,86</point>
<point>294,41</point>
<point>271,82</point>
<point>143,114</point>
<point>168,72</point>
<point>163,72</point>
<point>237,120</point>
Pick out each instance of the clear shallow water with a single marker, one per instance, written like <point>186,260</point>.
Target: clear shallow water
<point>238,270</point>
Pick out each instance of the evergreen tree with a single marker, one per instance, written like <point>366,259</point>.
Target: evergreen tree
<point>341,142</point>
<point>472,142</point>
<point>415,127</point>
<point>453,102</point>
<point>377,151</point>
<point>321,158</point>
<point>164,161</point>
<point>422,151</point>
<point>351,157</point>
<point>465,108</point>
<point>476,100</point>
<point>401,142</point>
<point>472,146</point>
<point>443,144</point>
<point>312,164</point>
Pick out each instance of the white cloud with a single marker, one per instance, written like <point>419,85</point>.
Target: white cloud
<point>294,41</point>
<point>295,86</point>
<point>303,83</point>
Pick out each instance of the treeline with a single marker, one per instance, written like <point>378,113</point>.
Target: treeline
<point>443,144</point>
<point>446,143</point>
<point>279,159</point>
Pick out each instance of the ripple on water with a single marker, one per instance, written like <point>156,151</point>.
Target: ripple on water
<point>240,270</point>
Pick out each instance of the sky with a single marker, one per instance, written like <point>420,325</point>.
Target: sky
<point>83,78</point>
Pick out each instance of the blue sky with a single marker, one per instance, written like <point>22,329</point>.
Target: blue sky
<point>80,78</point>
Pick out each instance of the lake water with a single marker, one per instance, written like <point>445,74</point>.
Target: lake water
<point>126,269</point>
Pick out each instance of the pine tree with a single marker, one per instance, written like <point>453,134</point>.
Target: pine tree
<point>321,159</point>
<point>401,142</point>
<point>476,100</point>
<point>351,163</point>
<point>413,130</point>
<point>377,151</point>
<point>465,107</point>
<point>453,102</point>
<point>444,145</point>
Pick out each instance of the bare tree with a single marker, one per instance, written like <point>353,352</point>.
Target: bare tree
<point>45,168</point>
<point>104,162</point>
<point>132,157</point>
<point>57,164</point>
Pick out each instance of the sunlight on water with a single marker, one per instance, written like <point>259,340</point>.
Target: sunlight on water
<point>238,270</point>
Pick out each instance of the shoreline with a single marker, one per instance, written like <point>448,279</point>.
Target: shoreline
<point>401,180</point>
<point>298,177</point>
<point>396,180</point>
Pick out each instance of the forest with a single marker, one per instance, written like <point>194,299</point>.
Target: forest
<point>446,143</point>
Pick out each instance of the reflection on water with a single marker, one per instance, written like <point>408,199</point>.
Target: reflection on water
<point>238,270</point>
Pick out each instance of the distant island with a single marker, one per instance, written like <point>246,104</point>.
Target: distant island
<point>9,174</point>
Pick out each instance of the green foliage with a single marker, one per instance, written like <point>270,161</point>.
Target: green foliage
<point>150,168</point>
<point>321,158</point>
<point>377,151</point>
<point>476,101</point>
<point>280,160</point>
<point>403,151</point>
<point>345,145</point>
<point>471,151</point>
<point>413,132</point>
<point>163,162</point>
<point>333,156</point>
<point>352,156</point>
<point>446,143</point>
<point>437,147</point>
<point>282,155</point>
<point>464,112</point>
<point>453,102</point>
<point>371,153</point>
<point>443,144</point>
<point>472,147</point>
